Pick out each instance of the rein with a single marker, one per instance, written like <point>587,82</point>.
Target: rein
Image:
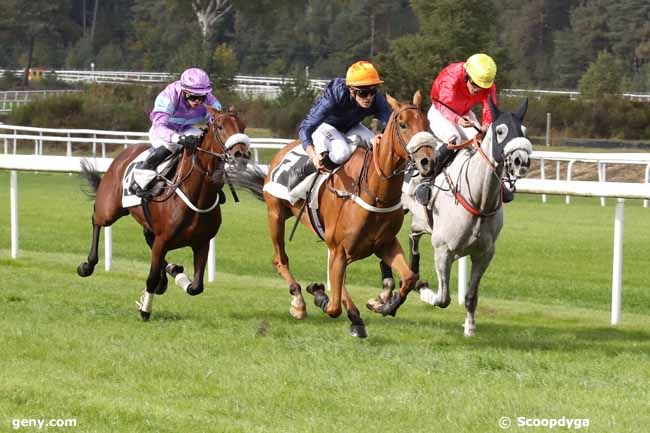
<point>401,141</point>
<point>455,188</point>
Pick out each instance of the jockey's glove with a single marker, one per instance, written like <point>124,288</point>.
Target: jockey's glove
<point>189,141</point>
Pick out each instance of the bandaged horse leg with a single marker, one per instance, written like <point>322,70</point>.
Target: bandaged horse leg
<point>153,280</point>
<point>191,287</point>
<point>277,215</point>
<point>162,287</point>
<point>357,326</point>
<point>393,255</point>
<point>479,266</point>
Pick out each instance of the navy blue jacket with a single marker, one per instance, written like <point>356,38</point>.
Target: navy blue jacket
<point>338,108</point>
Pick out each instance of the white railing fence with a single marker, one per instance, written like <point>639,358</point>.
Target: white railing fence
<point>618,190</point>
<point>260,84</point>
<point>12,98</point>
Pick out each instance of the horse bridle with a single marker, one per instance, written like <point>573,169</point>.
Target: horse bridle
<point>409,161</point>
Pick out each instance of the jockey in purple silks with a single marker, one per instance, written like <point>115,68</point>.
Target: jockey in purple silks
<point>177,108</point>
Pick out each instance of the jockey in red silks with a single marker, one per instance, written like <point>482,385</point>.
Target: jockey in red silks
<point>457,88</point>
<point>176,109</point>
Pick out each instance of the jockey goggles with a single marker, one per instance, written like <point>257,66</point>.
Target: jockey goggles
<point>364,92</point>
<point>194,97</point>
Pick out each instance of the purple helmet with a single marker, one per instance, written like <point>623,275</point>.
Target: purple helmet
<point>196,81</point>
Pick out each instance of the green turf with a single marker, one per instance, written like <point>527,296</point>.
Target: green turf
<point>232,360</point>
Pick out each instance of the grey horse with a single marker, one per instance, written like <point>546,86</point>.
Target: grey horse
<point>465,215</point>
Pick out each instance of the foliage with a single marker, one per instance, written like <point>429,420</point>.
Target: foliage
<point>290,107</point>
<point>603,77</point>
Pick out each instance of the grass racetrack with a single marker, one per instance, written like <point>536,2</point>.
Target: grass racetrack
<point>233,360</point>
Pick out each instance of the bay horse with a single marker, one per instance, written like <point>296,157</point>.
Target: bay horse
<point>360,209</point>
<point>465,214</point>
<point>171,221</point>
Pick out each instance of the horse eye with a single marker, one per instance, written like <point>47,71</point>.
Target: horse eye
<point>402,125</point>
<point>219,126</point>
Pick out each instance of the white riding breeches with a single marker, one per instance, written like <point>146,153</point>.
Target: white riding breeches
<point>172,145</point>
<point>340,146</point>
<point>446,130</point>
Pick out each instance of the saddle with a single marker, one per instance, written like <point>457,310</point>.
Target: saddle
<point>166,170</point>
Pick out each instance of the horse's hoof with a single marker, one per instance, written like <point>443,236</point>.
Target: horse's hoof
<point>314,288</point>
<point>390,308</point>
<point>421,284</point>
<point>193,292</point>
<point>173,269</point>
<point>298,309</point>
<point>321,300</point>
<point>145,315</point>
<point>85,270</point>
<point>375,304</point>
<point>358,331</point>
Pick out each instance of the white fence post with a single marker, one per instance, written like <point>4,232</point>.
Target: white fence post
<point>211,261</point>
<point>13,199</point>
<point>108,248</point>
<point>617,270</point>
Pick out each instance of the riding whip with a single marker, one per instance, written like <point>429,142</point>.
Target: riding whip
<point>232,188</point>
<point>455,112</point>
<point>302,209</point>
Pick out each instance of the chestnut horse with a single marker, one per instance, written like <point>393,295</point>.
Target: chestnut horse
<point>360,209</point>
<point>170,220</point>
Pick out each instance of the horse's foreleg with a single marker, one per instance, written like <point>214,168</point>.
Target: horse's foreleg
<point>162,287</point>
<point>276,219</point>
<point>336,272</point>
<point>158,252</point>
<point>86,269</point>
<point>388,284</point>
<point>479,266</point>
<point>444,259</point>
<point>200,259</point>
<point>357,327</point>
<point>393,255</point>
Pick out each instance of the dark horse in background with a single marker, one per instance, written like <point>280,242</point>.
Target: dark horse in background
<point>169,223</point>
<point>360,209</point>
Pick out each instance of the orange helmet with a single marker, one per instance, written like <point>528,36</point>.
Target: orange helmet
<point>361,74</point>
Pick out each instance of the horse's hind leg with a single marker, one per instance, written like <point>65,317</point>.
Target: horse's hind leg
<point>277,215</point>
<point>162,287</point>
<point>357,326</point>
<point>479,265</point>
<point>87,268</point>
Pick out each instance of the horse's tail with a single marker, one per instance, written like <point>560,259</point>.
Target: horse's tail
<point>91,175</point>
<point>250,179</point>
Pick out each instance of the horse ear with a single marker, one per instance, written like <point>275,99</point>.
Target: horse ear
<point>394,104</point>
<point>417,98</point>
<point>494,110</point>
<point>212,111</point>
<point>232,109</point>
<point>521,111</point>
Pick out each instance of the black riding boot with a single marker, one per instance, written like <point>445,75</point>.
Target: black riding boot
<point>156,157</point>
<point>508,194</point>
<point>443,155</point>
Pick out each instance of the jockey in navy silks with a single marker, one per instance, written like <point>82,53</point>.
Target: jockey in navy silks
<point>176,109</point>
<point>332,129</point>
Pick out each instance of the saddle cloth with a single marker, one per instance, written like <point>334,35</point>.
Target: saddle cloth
<point>129,199</point>
<point>283,175</point>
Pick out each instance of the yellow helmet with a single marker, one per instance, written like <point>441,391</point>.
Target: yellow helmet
<point>362,73</point>
<point>481,69</point>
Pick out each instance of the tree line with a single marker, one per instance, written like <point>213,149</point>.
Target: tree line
<point>594,45</point>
